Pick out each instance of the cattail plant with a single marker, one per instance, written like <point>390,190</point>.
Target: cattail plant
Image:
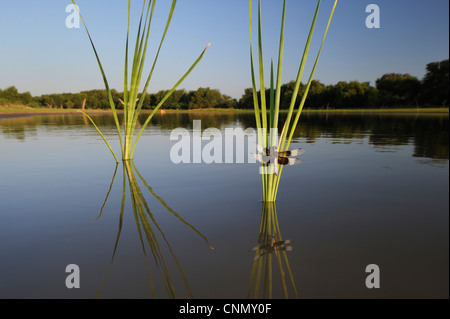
<point>267,112</point>
<point>133,100</point>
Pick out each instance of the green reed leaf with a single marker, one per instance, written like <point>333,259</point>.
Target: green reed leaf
<point>105,81</point>
<point>161,103</point>
<point>99,132</point>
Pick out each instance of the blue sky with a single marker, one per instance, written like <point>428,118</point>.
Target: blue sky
<point>38,53</point>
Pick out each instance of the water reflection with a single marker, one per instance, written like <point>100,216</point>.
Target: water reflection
<point>385,133</point>
<point>270,255</point>
<point>380,208</point>
<point>151,235</point>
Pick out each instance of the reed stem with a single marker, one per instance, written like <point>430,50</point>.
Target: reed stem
<point>133,97</point>
<point>267,136</point>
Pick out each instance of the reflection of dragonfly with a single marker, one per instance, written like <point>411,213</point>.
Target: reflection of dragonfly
<point>271,155</point>
<point>272,246</point>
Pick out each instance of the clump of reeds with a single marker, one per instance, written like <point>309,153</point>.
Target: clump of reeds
<point>267,112</point>
<point>133,97</point>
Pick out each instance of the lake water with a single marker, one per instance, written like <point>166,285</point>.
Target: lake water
<point>370,190</point>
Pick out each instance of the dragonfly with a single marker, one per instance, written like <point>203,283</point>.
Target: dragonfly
<point>271,156</point>
<point>272,246</point>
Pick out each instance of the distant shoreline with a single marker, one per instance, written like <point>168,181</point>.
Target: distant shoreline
<point>14,112</point>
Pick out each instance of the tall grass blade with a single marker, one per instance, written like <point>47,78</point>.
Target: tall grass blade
<point>261,73</point>
<point>105,81</point>
<point>299,111</point>
<point>270,181</point>
<point>99,132</point>
<point>279,69</point>
<point>255,93</point>
<point>139,62</point>
<point>147,83</point>
<point>299,77</point>
<point>133,98</point>
<point>272,98</point>
<point>125,76</point>
<point>302,103</point>
<point>166,97</point>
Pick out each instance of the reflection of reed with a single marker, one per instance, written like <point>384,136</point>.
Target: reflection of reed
<point>85,120</point>
<point>270,244</point>
<point>148,231</point>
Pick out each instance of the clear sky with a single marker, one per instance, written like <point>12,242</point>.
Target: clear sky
<point>38,53</point>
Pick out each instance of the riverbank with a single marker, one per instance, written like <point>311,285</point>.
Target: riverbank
<point>22,111</point>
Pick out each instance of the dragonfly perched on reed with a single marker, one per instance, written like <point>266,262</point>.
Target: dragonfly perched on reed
<point>272,157</point>
<point>267,111</point>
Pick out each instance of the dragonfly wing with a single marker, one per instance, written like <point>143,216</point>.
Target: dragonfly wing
<point>262,149</point>
<point>293,161</point>
<point>288,161</point>
<point>297,152</point>
<point>283,160</point>
<point>261,158</point>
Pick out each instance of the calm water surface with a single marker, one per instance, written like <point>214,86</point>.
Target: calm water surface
<point>370,190</point>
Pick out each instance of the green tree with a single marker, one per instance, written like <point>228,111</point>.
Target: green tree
<point>398,89</point>
<point>10,94</point>
<point>246,101</point>
<point>352,94</point>
<point>435,84</point>
<point>205,98</point>
<point>315,98</point>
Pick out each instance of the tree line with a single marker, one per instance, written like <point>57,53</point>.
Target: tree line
<point>98,99</point>
<point>391,90</point>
